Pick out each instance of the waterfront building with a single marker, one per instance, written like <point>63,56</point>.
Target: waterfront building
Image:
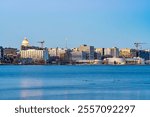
<point>76,56</point>
<point>131,53</point>
<point>107,51</point>
<point>147,61</point>
<point>114,52</point>
<point>37,54</point>
<point>52,52</point>
<point>34,54</point>
<point>25,45</point>
<point>92,62</point>
<point>100,51</point>
<point>26,61</point>
<point>97,56</point>
<point>56,51</point>
<point>128,53</point>
<point>85,55</point>
<point>10,52</point>
<point>10,55</point>
<point>113,61</point>
<point>145,54</point>
<point>135,61</point>
<point>89,50</point>
<point>75,49</point>
<point>60,55</point>
<point>122,61</point>
<point>1,52</point>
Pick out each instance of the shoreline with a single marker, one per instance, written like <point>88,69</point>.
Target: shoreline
<point>75,65</point>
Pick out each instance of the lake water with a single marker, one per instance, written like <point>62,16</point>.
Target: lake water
<point>75,82</point>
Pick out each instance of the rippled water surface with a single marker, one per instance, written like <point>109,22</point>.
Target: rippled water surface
<point>75,82</point>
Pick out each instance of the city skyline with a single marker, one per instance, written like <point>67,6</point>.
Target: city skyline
<point>99,23</point>
<point>41,44</point>
<point>30,54</point>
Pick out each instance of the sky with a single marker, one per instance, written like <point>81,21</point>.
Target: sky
<point>101,23</point>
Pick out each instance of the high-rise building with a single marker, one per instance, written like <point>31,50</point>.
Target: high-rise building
<point>100,51</point>
<point>61,55</point>
<point>33,52</point>
<point>145,54</point>
<point>56,51</point>
<point>77,56</point>
<point>89,50</point>
<point>107,51</point>
<point>128,53</point>
<point>114,52</point>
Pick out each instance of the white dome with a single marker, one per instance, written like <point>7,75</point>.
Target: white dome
<point>25,42</point>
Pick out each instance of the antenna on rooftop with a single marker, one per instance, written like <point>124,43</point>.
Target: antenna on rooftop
<point>137,45</point>
<point>42,43</point>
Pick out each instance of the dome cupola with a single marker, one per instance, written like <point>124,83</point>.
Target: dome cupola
<point>25,42</point>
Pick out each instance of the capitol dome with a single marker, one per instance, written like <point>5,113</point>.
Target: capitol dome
<point>25,42</point>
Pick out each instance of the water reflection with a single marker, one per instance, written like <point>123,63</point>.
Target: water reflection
<point>75,82</point>
<point>31,88</point>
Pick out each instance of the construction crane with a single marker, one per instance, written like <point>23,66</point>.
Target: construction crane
<point>137,45</point>
<point>42,43</point>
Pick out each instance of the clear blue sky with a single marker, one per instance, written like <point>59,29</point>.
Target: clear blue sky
<point>102,23</point>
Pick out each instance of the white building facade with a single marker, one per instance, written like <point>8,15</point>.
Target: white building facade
<point>114,52</point>
<point>35,54</point>
<point>76,56</point>
<point>56,51</point>
<point>89,50</point>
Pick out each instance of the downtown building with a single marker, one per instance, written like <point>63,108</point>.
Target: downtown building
<point>10,52</point>
<point>85,55</point>
<point>89,50</point>
<point>77,55</point>
<point>32,54</point>
<point>128,53</point>
<point>1,54</point>
<point>108,52</point>
<point>11,55</point>
<point>53,52</point>
<point>59,55</point>
<point>113,52</point>
<point>145,54</point>
<point>100,51</point>
<point>8,55</point>
<point>132,54</point>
